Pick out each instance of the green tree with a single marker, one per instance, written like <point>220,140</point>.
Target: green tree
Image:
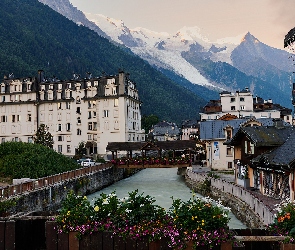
<point>43,136</point>
<point>148,121</point>
<point>80,151</point>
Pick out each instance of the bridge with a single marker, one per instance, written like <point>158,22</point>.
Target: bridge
<point>161,154</point>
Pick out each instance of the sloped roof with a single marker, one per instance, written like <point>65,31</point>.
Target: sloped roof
<point>214,129</point>
<point>263,136</point>
<point>283,155</point>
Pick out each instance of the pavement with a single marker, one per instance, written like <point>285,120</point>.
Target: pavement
<point>268,201</point>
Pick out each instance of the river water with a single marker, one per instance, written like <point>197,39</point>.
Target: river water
<point>160,183</point>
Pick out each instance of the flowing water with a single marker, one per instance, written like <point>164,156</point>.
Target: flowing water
<point>162,184</point>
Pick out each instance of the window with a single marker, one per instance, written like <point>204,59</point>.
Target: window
<point>59,105</point>
<point>68,105</point>
<point>94,114</point>
<point>78,100</point>
<point>229,151</point>
<point>68,126</point>
<point>68,148</point>
<point>13,118</point>
<point>30,139</point>
<point>29,117</point>
<point>3,98</point>
<point>59,148</point>
<point>59,127</point>
<point>89,114</point>
<point>246,147</point>
<point>79,120</point>
<point>232,108</point>
<point>95,126</point>
<point>242,99</point>
<point>116,125</point>
<point>232,99</point>
<point>105,113</point>
<point>228,134</point>
<point>3,118</point>
<point>60,138</point>
<point>2,140</point>
<point>251,151</point>
<point>242,107</point>
<point>229,165</point>
<point>89,125</point>
<point>78,110</point>
<point>116,103</point>
<point>79,131</point>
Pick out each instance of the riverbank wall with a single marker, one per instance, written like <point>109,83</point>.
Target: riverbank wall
<point>47,194</point>
<point>246,207</point>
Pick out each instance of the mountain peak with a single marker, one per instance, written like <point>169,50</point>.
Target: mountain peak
<point>191,34</point>
<point>249,38</point>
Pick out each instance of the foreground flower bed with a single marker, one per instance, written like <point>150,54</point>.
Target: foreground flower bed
<point>284,224</point>
<point>136,217</point>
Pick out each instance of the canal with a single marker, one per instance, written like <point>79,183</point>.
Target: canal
<point>162,184</point>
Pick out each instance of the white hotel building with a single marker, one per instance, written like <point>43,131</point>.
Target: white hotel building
<point>90,110</point>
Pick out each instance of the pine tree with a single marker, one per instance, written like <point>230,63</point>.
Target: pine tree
<point>43,136</point>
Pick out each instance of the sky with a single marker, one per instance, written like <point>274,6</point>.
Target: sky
<point>268,20</point>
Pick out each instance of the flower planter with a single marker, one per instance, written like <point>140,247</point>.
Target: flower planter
<point>73,241</point>
<point>287,246</point>
<point>155,245</point>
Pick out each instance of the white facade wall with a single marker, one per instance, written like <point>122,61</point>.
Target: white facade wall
<point>240,104</point>
<point>92,111</point>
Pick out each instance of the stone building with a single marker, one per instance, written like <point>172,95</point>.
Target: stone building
<point>93,110</point>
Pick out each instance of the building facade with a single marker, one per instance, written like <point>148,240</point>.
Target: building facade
<point>242,104</point>
<point>93,110</point>
<point>215,133</point>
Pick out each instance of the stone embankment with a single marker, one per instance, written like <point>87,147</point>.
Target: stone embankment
<point>248,208</point>
<point>46,194</point>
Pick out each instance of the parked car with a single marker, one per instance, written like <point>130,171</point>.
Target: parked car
<point>88,163</point>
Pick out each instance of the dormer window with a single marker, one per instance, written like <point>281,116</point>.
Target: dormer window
<point>2,88</point>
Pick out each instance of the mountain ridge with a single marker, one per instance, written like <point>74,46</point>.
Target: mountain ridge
<point>35,37</point>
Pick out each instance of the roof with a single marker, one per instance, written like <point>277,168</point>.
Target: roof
<point>162,128</point>
<point>270,136</point>
<point>283,155</point>
<point>214,129</point>
<point>164,145</point>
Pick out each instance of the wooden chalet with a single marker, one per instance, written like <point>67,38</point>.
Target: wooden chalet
<point>266,155</point>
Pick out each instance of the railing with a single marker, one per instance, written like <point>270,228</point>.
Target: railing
<point>266,213</point>
<point>13,190</point>
<point>41,233</point>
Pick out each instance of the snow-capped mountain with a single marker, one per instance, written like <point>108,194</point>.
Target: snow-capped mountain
<point>189,58</point>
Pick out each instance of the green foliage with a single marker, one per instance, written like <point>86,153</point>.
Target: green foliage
<point>80,151</point>
<point>35,37</point>
<point>6,205</point>
<point>28,160</point>
<point>43,136</point>
<point>197,215</point>
<point>147,121</point>
<point>75,211</point>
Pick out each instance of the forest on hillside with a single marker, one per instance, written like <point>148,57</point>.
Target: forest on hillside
<point>34,37</point>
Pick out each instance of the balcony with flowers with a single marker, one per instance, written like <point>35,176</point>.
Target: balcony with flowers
<point>135,219</point>
<point>152,162</point>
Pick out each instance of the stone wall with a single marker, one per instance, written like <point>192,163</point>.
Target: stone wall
<point>244,210</point>
<point>49,198</point>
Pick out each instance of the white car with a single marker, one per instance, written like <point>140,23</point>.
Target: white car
<point>88,163</point>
